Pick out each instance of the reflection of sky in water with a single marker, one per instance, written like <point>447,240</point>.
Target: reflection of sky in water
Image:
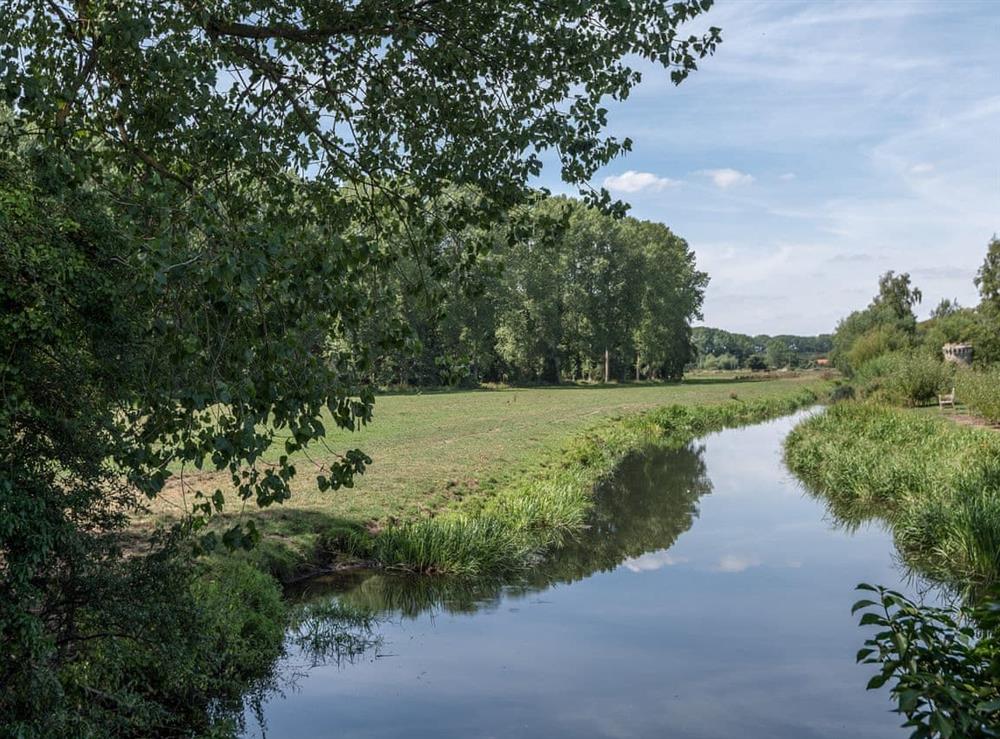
<point>740,629</point>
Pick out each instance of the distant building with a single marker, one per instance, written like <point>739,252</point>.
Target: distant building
<point>958,353</point>
<point>822,362</point>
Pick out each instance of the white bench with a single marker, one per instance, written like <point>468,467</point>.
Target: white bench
<point>947,399</point>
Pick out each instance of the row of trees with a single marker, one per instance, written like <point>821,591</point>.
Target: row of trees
<point>572,294</point>
<point>718,349</point>
<point>889,324</point>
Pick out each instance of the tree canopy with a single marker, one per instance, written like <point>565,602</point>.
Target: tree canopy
<point>201,206</point>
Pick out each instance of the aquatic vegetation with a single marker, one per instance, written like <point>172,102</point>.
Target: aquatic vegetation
<point>937,484</point>
<point>331,631</point>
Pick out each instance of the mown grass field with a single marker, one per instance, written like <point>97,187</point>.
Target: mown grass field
<point>431,451</point>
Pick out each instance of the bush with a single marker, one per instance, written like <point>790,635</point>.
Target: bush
<point>904,378</point>
<point>875,343</point>
<point>943,662</point>
<point>177,660</point>
<point>979,390</point>
<point>841,393</point>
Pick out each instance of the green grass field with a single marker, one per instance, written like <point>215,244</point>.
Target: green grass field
<point>433,450</point>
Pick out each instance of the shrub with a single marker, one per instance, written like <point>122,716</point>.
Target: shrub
<point>875,343</point>
<point>903,378</point>
<point>177,660</point>
<point>841,393</point>
<point>943,662</point>
<point>979,390</point>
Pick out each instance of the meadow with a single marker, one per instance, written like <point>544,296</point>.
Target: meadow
<point>448,451</point>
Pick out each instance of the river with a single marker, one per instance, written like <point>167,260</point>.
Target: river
<point>710,599</point>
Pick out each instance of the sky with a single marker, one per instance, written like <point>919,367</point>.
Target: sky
<point>823,144</point>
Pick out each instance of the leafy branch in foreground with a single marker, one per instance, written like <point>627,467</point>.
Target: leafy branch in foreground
<point>198,203</point>
<point>945,663</point>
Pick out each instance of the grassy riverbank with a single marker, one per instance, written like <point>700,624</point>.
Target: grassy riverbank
<point>937,484</point>
<point>448,466</point>
<point>509,529</point>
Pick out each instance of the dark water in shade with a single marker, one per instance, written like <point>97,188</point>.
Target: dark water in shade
<point>710,599</point>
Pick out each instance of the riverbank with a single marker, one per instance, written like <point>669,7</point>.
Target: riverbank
<point>935,483</point>
<point>510,528</point>
<point>448,452</point>
<point>707,598</point>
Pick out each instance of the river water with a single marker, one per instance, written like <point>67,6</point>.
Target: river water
<point>709,599</point>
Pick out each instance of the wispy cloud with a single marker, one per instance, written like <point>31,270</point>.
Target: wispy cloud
<point>633,182</point>
<point>726,178</point>
<point>849,258</point>
<point>886,112</point>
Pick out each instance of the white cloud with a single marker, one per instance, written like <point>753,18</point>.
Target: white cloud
<point>632,181</point>
<point>787,176</point>
<point>726,178</point>
<point>653,561</point>
<point>897,147</point>
<point>735,563</point>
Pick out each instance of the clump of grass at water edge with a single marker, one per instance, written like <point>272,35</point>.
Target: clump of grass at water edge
<point>936,484</point>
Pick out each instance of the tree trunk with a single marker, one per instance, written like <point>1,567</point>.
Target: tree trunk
<point>607,366</point>
<point>637,377</point>
<point>550,372</point>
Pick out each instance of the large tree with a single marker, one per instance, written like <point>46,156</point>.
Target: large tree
<point>887,324</point>
<point>273,158</point>
<point>263,167</point>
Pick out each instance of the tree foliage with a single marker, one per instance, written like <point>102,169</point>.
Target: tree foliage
<point>200,203</point>
<point>718,349</point>
<point>545,305</point>
<point>944,663</point>
<point>887,324</point>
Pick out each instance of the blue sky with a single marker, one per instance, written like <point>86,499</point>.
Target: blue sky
<point>823,144</point>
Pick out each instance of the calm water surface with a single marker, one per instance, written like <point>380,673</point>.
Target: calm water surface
<point>710,599</point>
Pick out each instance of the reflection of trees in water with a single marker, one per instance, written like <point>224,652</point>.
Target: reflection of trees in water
<point>651,500</point>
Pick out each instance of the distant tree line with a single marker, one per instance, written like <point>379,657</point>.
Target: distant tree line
<point>561,292</point>
<point>724,350</point>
